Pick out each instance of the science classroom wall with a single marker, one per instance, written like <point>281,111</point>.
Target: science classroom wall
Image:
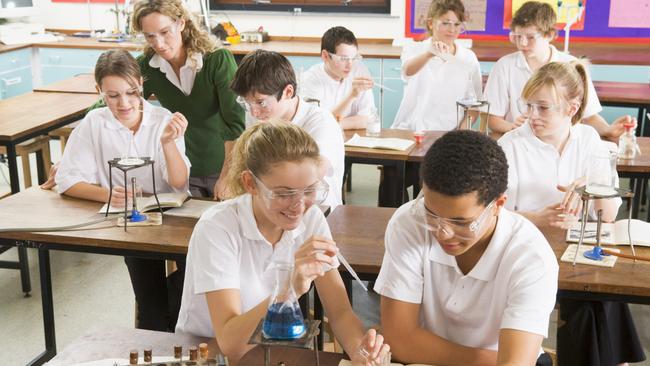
<point>620,21</point>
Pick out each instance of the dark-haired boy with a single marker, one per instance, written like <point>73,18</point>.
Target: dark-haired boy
<point>266,85</point>
<point>464,281</point>
<point>341,83</point>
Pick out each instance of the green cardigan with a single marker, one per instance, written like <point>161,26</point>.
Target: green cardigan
<point>211,109</point>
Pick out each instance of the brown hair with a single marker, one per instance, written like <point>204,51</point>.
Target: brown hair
<point>439,8</point>
<point>264,72</point>
<point>537,14</point>
<point>195,39</point>
<point>265,144</point>
<point>568,81</point>
<point>118,63</point>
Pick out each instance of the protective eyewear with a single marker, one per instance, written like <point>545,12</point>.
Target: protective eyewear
<point>462,229</point>
<point>314,194</point>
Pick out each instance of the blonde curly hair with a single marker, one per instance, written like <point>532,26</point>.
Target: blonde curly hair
<point>195,39</point>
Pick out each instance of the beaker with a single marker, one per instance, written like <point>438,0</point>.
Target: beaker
<point>284,320</point>
<point>601,174</point>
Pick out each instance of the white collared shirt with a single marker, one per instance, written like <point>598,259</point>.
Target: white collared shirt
<point>430,96</point>
<point>512,286</point>
<point>227,251</point>
<point>535,168</point>
<point>193,64</point>
<point>317,84</point>
<point>322,127</point>
<point>508,78</point>
<point>100,137</point>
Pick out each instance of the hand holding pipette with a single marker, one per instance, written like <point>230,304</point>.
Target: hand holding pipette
<point>311,259</point>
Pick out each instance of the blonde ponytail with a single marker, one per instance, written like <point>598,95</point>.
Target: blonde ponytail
<point>567,80</point>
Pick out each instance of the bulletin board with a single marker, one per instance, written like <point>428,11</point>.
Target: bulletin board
<point>619,21</point>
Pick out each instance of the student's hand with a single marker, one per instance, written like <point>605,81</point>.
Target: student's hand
<point>117,199</point>
<point>372,351</point>
<point>309,263</point>
<point>616,129</point>
<point>175,128</point>
<point>570,202</point>
<point>519,121</point>
<point>553,216</point>
<point>439,49</point>
<point>361,84</point>
<point>51,176</point>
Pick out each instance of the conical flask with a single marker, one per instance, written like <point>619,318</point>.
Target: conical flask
<point>284,320</point>
<point>469,99</point>
<point>130,153</point>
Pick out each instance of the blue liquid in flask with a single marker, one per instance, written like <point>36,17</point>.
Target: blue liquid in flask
<point>283,321</point>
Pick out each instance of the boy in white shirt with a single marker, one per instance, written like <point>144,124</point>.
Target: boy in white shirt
<point>105,134</point>
<point>341,83</point>
<point>532,30</point>
<point>266,85</point>
<point>465,281</point>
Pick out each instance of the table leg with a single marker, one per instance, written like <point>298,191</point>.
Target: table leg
<point>23,266</point>
<point>13,168</point>
<point>638,187</point>
<point>48,309</point>
<point>401,183</point>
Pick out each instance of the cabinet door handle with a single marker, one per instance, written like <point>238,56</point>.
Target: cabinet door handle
<point>12,81</point>
<point>396,68</point>
<point>14,61</point>
<point>55,59</point>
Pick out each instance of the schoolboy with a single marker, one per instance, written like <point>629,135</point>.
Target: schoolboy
<point>266,85</point>
<point>341,83</point>
<point>465,281</point>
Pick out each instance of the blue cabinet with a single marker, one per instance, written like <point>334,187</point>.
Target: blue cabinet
<point>63,63</point>
<point>391,100</point>
<point>15,73</point>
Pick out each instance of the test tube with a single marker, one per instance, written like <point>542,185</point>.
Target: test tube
<point>148,355</point>
<point>203,351</point>
<point>178,353</point>
<point>133,357</point>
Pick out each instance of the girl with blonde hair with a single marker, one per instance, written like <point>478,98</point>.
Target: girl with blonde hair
<point>273,219</point>
<point>548,157</point>
<point>190,73</point>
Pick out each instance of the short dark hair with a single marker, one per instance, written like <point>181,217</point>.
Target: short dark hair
<point>462,162</point>
<point>537,14</point>
<point>264,72</point>
<point>336,36</point>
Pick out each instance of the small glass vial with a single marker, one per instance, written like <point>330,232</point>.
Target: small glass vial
<point>203,352</point>
<point>178,353</point>
<point>148,356</point>
<point>133,357</point>
<point>627,146</point>
<point>373,127</point>
<point>194,353</point>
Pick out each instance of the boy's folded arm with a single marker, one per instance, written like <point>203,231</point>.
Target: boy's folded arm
<point>517,347</point>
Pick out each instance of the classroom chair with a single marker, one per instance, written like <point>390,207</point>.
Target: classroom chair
<point>63,133</point>
<point>39,145</point>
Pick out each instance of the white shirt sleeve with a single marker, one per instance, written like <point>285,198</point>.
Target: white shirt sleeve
<point>78,163</point>
<point>477,78</point>
<point>215,258</point>
<point>410,50</point>
<point>400,276</point>
<point>513,178</point>
<point>364,105</point>
<point>311,86</point>
<point>531,294</point>
<point>162,161</point>
<point>593,104</point>
<point>496,90</point>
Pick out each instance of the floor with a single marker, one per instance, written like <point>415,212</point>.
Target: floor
<point>93,291</point>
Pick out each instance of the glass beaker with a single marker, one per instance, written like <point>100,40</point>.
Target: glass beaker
<point>283,318</point>
<point>130,154</point>
<point>601,174</point>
